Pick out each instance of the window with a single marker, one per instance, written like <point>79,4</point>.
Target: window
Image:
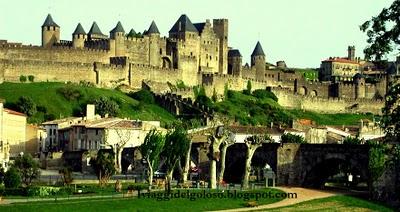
<point>97,131</point>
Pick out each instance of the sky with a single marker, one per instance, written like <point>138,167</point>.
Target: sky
<point>300,32</point>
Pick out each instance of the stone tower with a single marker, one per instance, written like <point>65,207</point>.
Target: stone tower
<point>79,37</point>
<point>183,29</point>
<point>154,45</point>
<point>351,53</point>
<point>234,62</point>
<point>117,40</point>
<point>220,27</point>
<point>258,61</point>
<point>359,81</point>
<point>50,32</point>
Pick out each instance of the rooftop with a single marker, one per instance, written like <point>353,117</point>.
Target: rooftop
<point>183,24</point>
<point>258,50</point>
<point>13,112</point>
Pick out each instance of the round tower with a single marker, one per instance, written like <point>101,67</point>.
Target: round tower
<point>50,32</point>
<point>78,37</point>
<point>359,81</point>
<point>258,61</point>
<point>154,45</point>
<point>118,35</point>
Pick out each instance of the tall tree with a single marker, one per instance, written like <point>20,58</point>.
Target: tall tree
<point>151,149</point>
<point>253,143</point>
<point>215,140</point>
<point>117,138</point>
<point>224,147</point>
<point>176,145</point>
<point>28,168</point>
<point>383,32</point>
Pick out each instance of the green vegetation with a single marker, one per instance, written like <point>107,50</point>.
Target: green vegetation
<point>105,106</point>
<point>148,204</point>
<point>331,119</point>
<point>22,78</point>
<point>252,110</point>
<point>103,166</point>
<point>58,100</point>
<point>336,203</point>
<point>351,140</point>
<point>308,73</point>
<point>27,168</point>
<point>292,138</point>
<point>12,178</point>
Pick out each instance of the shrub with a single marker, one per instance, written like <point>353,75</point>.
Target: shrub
<point>138,187</point>
<point>248,88</point>
<point>180,84</point>
<point>26,105</point>
<point>31,78</point>
<point>292,138</point>
<point>70,93</point>
<point>12,178</point>
<point>262,94</point>
<point>351,140</point>
<point>43,191</point>
<point>143,96</point>
<point>22,78</point>
<point>27,167</point>
<point>105,106</point>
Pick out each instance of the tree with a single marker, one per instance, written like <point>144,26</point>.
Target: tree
<point>28,168</point>
<point>31,78</point>
<point>215,140</point>
<point>12,178</point>
<point>117,138</point>
<point>26,105</point>
<point>391,112</point>
<point>224,147</point>
<point>105,106</point>
<point>292,138</point>
<point>377,162</point>
<point>151,149</point>
<point>66,175</point>
<point>352,140</point>
<point>383,32</point>
<point>214,96</point>
<point>248,88</point>
<point>253,143</point>
<point>176,145</point>
<point>103,166</point>
<point>2,173</point>
<point>22,78</point>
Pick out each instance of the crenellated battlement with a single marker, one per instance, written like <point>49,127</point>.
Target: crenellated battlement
<point>117,67</point>
<point>150,67</point>
<point>29,63</point>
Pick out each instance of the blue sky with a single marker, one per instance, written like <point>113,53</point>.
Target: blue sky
<point>300,32</point>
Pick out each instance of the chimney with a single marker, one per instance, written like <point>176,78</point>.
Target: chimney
<point>90,112</point>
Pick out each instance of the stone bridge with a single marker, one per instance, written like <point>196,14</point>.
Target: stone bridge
<point>307,165</point>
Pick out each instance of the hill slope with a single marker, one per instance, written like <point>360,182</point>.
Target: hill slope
<point>53,104</point>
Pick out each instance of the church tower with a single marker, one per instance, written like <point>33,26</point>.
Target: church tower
<point>50,32</point>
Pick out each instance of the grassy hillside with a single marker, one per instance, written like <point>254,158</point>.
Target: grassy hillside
<point>263,109</point>
<point>53,104</point>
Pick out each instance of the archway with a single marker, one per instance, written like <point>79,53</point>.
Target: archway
<point>334,172</point>
<point>302,91</point>
<point>313,93</point>
<point>166,62</point>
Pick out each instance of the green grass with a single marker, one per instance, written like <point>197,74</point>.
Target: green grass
<point>331,119</point>
<point>45,94</point>
<point>336,203</point>
<point>141,204</point>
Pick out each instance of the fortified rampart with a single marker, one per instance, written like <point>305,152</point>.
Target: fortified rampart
<point>289,99</point>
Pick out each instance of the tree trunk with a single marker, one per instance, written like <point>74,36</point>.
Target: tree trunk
<point>119,160</point>
<point>187,164</point>
<point>213,174</point>
<point>247,169</point>
<point>150,174</point>
<point>223,156</point>
<point>169,179</point>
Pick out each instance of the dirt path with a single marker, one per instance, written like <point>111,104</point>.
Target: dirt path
<point>303,194</point>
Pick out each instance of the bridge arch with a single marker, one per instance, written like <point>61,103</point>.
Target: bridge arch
<point>303,90</point>
<point>313,93</point>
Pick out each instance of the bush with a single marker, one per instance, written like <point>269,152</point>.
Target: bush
<point>138,187</point>
<point>143,96</point>
<point>105,106</point>
<point>351,140</point>
<point>22,78</point>
<point>70,93</point>
<point>12,178</point>
<point>262,94</point>
<point>26,105</point>
<point>43,191</point>
<point>291,138</point>
<point>14,192</point>
<point>31,78</point>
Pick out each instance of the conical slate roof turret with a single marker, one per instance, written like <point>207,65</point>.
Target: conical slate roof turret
<point>95,30</point>
<point>183,24</point>
<point>79,30</point>
<point>49,22</point>
<point>118,28</point>
<point>258,51</point>
<point>131,33</point>
<point>153,29</point>
<point>234,53</point>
